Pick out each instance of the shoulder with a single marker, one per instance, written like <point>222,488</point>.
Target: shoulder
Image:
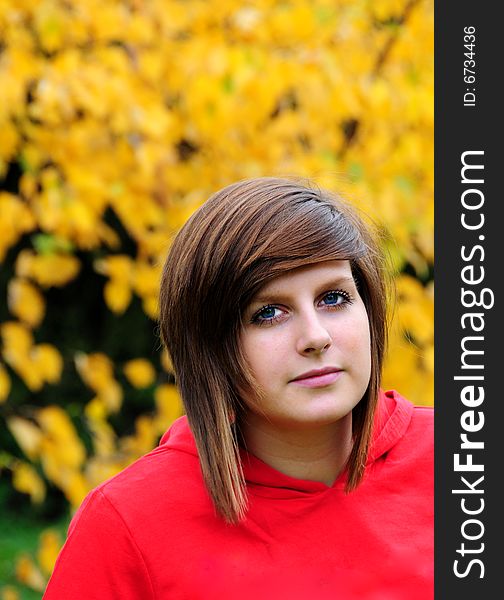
<point>166,481</point>
<point>417,444</point>
<point>163,486</point>
<point>406,446</point>
<point>422,423</point>
<point>120,531</point>
<point>101,559</point>
<point>423,416</point>
<point>163,480</point>
<point>399,422</point>
<point>409,429</point>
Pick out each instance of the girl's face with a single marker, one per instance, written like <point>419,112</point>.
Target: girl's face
<point>306,339</point>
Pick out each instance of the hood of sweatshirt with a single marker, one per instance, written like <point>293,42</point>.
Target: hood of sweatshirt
<point>392,418</point>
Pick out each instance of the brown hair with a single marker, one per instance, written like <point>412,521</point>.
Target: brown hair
<point>241,238</point>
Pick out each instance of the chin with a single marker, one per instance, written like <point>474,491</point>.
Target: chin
<point>319,418</point>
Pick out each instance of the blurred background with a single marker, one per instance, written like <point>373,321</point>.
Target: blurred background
<point>118,118</point>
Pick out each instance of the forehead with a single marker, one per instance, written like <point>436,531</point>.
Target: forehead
<point>327,272</point>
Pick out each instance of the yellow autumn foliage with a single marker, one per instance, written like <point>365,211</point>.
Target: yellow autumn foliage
<point>144,438</point>
<point>117,291</point>
<point>26,479</point>
<point>48,361</point>
<point>166,362</point>
<point>27,435</point>
<point>168,404</point>
<point>17,341</point>
<point>117,120</point>
<point>47,270</point>
<point>29,573</point>
<point>15,218</point>
<point>104,437</point>
<point>139,372</point>
<point>60,441</point>
<point>25,302</point>
<point>97,371</point>
<point>5,384</point>
<point>35,364</point>
<point>9,593</point>
<point>47,553</point>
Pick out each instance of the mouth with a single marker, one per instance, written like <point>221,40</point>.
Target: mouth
<point>318,377</point>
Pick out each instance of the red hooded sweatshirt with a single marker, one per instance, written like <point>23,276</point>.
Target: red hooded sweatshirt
<point>151,532</point>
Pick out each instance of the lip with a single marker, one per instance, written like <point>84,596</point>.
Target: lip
<point>318,377</point>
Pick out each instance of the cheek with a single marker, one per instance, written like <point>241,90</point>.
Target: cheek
<point>360,337</point>
<point>264,359</point>
<point>262,352</point>
<point>251,347</point>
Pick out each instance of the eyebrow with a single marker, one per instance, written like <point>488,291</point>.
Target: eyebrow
<point>274,295</point>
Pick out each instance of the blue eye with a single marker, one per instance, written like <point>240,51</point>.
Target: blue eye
<point>332,300</point>
<point>267,314</point>
<point>336,298</point>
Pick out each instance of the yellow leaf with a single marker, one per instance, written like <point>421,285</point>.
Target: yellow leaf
<point>429,358</point>
<point>60,441</point>
<point>139,372</point>
<point>144,438</point>
<point>96,369</point>
<point>17,345</point>
<point>76,489</point>
<point>150,306</point>
<point>27,435</point>
<point>95,410</point>
<point>168,404</point>
<point>49,547</point>
<point>415,310</point>
<point>49,26</point>
<point>112,396</point>
<point>9,593</point>
<point>56,422</point>
<point>15,219</point>
<point>117,295</point>
<point>166,361</point>
<point>99,468</point>
<point>17,340</point>
<point>48,361</point>
<point>29,374</point>
<point>25,302</point>
<point>47,269</point>
<point>9,138</point>
<point>117,266</point>
<point>24,263</point>
<point>409,288</point>
<point>117,290</point>
<point>25,479</point>
<point>146,280</point>
<point>5,384</point>
<point>29,574</point>
<point>104,438</point>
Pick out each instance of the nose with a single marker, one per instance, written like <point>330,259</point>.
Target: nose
<point>313,337</point>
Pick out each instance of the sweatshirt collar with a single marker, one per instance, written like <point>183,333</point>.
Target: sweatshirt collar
<point>392,418</point>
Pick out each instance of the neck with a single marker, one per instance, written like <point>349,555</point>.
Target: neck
<point>318,453</point>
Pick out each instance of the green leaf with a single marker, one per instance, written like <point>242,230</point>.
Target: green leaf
<point>45,243</point>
